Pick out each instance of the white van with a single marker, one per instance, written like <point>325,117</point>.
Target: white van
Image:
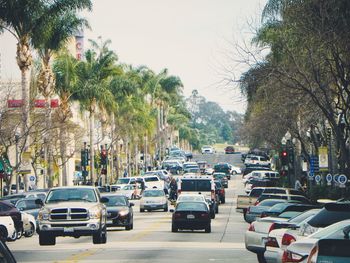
<point>200,184</point>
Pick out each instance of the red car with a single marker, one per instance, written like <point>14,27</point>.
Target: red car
<point>229,150</point>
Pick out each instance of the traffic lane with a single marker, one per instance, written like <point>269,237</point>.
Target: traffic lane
<point>148,228</point>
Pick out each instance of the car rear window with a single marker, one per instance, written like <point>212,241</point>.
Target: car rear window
<point>256,192</point>
<point>151,179</point>
<point>301,199</point>
<point>274,191</point>
<point>328,217</point>
<point>191,206</point>
<point>269,202</point>
<point>196,185</point>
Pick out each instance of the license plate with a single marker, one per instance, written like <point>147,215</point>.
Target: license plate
<point>68,230</point>
<point>190,216</point>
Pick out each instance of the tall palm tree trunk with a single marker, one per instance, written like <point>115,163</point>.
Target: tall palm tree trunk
<point>92,153</point>
<point>24,62</point>
<point>63,152</point>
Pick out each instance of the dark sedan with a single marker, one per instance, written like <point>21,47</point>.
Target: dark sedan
<point>119,211</point>
<point>191,215</point>
<point>221,177</point>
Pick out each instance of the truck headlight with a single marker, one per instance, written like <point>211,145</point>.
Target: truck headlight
<point>43,214</point>
<point>95,214</point>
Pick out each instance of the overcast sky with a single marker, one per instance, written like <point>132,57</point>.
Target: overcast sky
<point>191,38</point>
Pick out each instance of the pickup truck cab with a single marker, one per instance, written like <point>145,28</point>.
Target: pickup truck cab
<point>72,211</point>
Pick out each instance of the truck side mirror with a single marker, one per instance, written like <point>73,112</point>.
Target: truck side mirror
<point>104,200</point>
<point>39,202</point>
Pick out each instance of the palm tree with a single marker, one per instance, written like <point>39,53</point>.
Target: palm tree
<point>94,77</point>
<point>23,19</point>
<point>54,35</point>
<point>65,69</point>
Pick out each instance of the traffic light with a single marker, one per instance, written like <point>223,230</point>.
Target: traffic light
<point>104,157</point>
<point>284,157</point>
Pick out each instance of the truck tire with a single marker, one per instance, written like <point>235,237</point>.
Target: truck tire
<point>216,209</point>
<point>142,210</point>
<point>100,237</point>
<point>46,239</point>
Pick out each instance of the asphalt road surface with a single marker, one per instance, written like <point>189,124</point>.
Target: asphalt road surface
<point>151,240</point>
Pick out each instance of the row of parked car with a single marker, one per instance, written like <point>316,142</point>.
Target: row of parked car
<point>286,227</point>
<point>18,214</point>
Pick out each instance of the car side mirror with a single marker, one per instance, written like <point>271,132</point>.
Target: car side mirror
<point>131,204</point>
<point>104,200</point>
<point>39,202</point>
<point>171,210</point>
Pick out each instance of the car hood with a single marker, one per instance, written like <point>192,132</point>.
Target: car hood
<point>86,205</point>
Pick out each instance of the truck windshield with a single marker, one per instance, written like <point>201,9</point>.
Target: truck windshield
<point>196,185</point>
<point>71,195</point>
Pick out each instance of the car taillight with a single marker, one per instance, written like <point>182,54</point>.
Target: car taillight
<point>256,202</point>
<point>271,242</point>
<point>272,227</point>
<point>251,227</point>
<point>313,255</point>
<point>179,191</point>
<point>222,191</point>
<point>287,239</point>
<point>289,257</point>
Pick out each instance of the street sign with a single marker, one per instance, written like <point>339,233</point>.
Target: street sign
<point>335,178</point>
<point>323,158</point>
<point>342,179</point>
<point>314,165</point>
<point>32,178</point>
<point>329,178</point>
<point>311,175</point>
<point>318,178</point>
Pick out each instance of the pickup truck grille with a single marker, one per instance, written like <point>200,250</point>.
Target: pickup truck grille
<point>69,214</point>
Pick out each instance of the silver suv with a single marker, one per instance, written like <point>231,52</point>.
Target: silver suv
<point>72,211</point>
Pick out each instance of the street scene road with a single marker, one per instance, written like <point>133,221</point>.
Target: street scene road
<point>151,239</point>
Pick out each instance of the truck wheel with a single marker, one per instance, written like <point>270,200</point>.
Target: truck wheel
<point>223,200</point>
<point>128,227</point>
<point>216,209</point>
<point>212,215</point>
<point>30,232</point>
<point>46,239</point>
<point>100,237</point>
<point>142,210</point>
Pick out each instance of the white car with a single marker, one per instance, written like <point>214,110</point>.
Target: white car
<point>7,228</point>
<point>129,191</point>
<point>29,224</point>
<point>278,239</point>
<point>153,182</point>
<point>235,169</point>
<point>300,249</point>
<point>153,199</point>
<point>257,160</point>
<point>207,150</point>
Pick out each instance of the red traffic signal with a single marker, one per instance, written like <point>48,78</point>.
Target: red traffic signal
<point>284,153</point>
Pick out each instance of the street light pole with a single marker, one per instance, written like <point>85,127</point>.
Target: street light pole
<point>17,161</point>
